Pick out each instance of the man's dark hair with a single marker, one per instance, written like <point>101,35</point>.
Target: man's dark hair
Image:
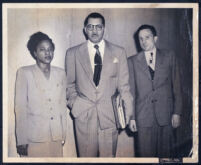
<point>150,27</point>
<point>35,39</point>
<point>94,15</point>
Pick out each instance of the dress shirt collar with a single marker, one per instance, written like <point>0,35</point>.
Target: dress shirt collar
<point>147,53</point>
<point>101,45</point>
<point>92,51</point>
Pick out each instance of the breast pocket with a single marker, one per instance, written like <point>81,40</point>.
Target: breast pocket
<point>163,73</point>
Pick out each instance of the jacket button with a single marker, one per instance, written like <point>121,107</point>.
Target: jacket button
<point>153,100</point>
<point>51,118</point>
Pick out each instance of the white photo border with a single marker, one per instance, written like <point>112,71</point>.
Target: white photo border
<point>193,6</point>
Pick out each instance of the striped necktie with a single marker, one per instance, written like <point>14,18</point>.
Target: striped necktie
<point>150,66</point>
<point>98,66</point>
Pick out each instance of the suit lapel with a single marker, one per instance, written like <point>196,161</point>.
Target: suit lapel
<point>83,56</point>
<point>107,61</point>
<point>84,60</point>
<point>143,64</point>
<point>159,63</point>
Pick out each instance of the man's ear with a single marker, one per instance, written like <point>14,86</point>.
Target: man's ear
<point>155,39</point>
<point>85,34</point>
<point>105,33</point>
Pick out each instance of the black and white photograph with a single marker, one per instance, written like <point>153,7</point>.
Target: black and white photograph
<point>92,81</point>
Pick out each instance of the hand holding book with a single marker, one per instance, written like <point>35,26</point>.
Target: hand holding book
<point>119,111</point>
<point>132,126</point>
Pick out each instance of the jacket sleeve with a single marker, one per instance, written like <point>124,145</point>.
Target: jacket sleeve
<point>123,84</point>
<point>71,92</point>
<point>176,85</point>
<point>20,107</point>
<point>64,108</point>
<point>132,83</point>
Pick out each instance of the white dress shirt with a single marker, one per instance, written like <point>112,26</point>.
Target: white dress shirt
<point>92,51</point>
<point>153,59</point>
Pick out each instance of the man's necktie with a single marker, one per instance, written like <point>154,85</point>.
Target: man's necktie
<point>98,66</point>
<point>151,64</point>
<point>151,58</point>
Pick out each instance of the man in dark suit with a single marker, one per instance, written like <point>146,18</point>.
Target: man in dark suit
<point>156,88</point>
<point>95,70</point>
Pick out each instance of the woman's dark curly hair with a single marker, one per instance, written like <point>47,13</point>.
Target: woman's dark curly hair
<point>35,39</point>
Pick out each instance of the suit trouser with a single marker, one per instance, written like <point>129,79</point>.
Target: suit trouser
<point>45,149</point>
<point>155,141</point>
<point>93,141</point>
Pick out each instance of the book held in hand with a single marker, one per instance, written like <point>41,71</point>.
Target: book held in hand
<point>119,110</point>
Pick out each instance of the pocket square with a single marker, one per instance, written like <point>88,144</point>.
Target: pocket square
<point>115,60</point>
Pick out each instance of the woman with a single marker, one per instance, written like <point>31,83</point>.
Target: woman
<point>40,102</point>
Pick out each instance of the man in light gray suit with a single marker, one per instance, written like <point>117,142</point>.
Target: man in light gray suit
<point>95,70</point>
<point>156,88</point>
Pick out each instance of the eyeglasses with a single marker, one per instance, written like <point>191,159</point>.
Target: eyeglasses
<point>97,27</point>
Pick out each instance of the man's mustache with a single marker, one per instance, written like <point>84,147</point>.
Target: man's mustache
<point>94,35</point>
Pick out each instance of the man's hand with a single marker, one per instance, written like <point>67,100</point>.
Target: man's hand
<point>128,118</point>
<point>22,149</point>
<point>132,126</point>
<point>63,142</point>
<point>175,120</point>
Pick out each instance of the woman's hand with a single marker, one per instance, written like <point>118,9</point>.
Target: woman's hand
<point>22,150</point>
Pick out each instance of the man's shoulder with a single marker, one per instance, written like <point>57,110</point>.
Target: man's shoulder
<point>168,53</point>
<point>76,47</point>
<point>132,57</point>
<point>113,46</point>
<point>135,56</point>
<point>165,51</point>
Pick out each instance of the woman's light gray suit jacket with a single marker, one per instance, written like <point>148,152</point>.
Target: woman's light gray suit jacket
<point>40,105</point>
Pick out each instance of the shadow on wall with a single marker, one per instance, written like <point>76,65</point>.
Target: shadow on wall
<point>136,42</point>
